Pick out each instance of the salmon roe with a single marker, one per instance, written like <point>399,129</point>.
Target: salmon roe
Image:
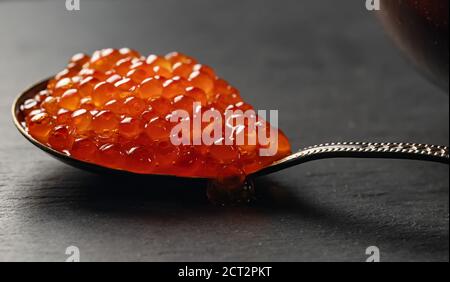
<point>114,109</point>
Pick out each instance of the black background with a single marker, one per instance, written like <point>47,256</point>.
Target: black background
<point>328,68</point>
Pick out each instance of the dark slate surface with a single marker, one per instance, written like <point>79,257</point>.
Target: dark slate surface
<point>328,68</point>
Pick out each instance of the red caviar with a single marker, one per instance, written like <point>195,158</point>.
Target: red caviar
<point>114,109</point>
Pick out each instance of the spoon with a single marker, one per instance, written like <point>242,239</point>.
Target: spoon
<point>411,151</point>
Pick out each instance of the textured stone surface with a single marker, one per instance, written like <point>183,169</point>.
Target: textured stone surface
<point>325,65</point>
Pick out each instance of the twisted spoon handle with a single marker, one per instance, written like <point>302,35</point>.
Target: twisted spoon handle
<point>410,151</point>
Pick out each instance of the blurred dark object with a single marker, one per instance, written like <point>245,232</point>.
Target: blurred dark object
<point>420,29</point>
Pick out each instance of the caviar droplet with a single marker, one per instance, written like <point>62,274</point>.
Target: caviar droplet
<point>105,124</point>
<point>50,105</point>
<point>29,105</point>
<point>105,59</point>
<point>197,94</point>
<point>174,87</point>
<point>157,129</point>
<point>130,128</point>
<point>183,102</point>
<point>140,159</point>
<point>40,126</point>
<point>110,155</point>
<point>62,85</point>
<point>125,84</point>
<point>82,121</point>
<point>84,149</point>
<point>134,106</point>
<point>60,138</point>
<point>161,106</point>
<point>63,117</point>
<point>182,69</point>
<point>70,100</point>
<point>86,86</point>
<point>202,81</point>
<point>161,62</point>
<point>231,191</point>
<point>103,92</point>
<point>80,59</point>
<point>151,88</point>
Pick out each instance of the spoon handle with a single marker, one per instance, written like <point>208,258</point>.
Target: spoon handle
<point>410,151</point>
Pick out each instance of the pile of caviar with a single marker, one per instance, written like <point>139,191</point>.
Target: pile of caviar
<point>113,109</point>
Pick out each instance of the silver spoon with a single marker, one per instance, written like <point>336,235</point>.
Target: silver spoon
<point>410,151</point>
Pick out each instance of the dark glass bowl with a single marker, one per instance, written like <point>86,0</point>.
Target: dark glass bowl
<point>420,29</point>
